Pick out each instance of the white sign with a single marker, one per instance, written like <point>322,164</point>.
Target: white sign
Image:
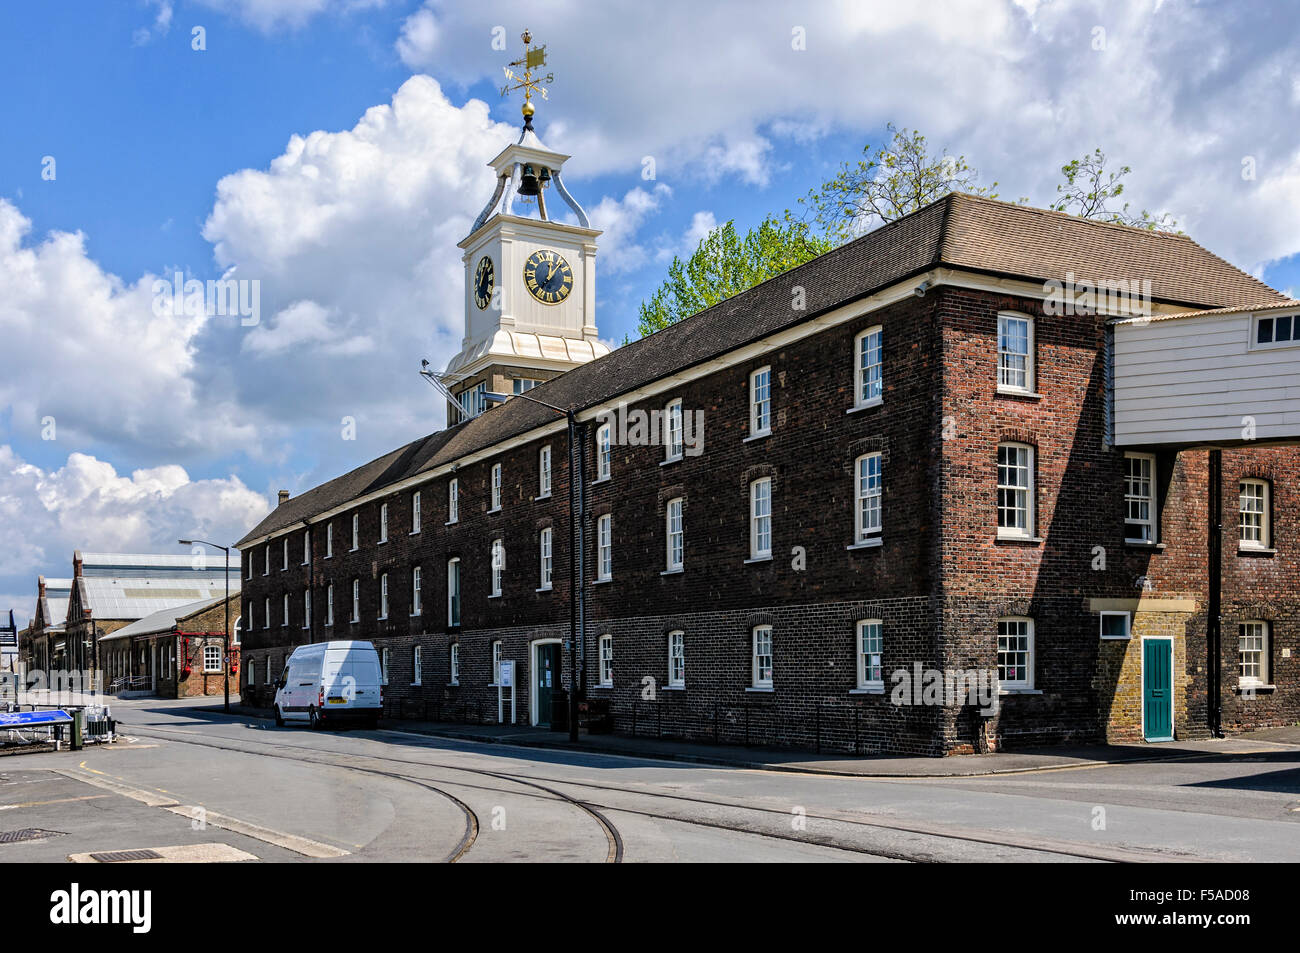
<point>507,674</point>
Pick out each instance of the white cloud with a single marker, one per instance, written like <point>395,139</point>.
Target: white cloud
<point>305,323</point>
<point>620,220</point>
<point>419,39</point>
<point>86,349</point>
<point>85,504</point>
<point>162,23</point>
<point>268,15</point>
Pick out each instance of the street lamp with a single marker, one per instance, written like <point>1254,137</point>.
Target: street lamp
<point>577,588</point>
<point>225,667</point>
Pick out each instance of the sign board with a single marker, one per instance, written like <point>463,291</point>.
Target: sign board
<point>34,719</point>
<point>507,674</point>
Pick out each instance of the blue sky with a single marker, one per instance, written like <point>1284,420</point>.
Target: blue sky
<point>305,147</point>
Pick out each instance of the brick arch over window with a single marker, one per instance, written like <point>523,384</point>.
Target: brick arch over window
<point>676,491</point>
<point>1012,607</point>
<point>1256,611</point>
<point>863,445</point>
<point>756,619</point>
<point>543,522</point>
<point>1258,471</point>
<point>671,624</point>
<point>758,472</point>
<point>1012,435</point>
<point>600,509</point>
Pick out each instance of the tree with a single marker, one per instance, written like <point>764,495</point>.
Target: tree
<point>725,264</point>
<point>895,180</point>
<point>1089,188</point>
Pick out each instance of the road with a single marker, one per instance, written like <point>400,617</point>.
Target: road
<point>190,781</point>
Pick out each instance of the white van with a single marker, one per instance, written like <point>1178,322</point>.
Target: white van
<point>328,683</point>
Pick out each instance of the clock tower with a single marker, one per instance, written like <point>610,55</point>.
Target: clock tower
<point>530,281</point>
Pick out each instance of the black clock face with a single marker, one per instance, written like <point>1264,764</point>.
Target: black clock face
<point>548,277</point>
<point>485,277</point>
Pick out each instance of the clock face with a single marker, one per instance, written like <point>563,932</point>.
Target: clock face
<point>548,277</point>
<point>485,277</point>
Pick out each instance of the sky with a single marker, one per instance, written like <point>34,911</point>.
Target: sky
<point>335,151</point>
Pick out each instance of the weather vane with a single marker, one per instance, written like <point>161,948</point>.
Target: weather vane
<point>534,58</point>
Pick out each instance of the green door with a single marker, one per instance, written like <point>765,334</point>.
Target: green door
<point>1157,690</point>
<point>548,674</point>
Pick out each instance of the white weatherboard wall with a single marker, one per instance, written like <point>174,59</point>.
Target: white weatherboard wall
<point>1199,380</point>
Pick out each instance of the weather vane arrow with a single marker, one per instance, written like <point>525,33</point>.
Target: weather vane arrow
<point>530,82</point>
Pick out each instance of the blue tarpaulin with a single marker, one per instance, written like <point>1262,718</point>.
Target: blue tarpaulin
<point>34,719</point>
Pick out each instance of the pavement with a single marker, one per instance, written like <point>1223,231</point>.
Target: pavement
<point>1016,761</point>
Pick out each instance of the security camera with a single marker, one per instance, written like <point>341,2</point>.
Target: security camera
<point>921,289</point>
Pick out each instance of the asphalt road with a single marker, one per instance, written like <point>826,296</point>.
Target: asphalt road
<point>200,781</point>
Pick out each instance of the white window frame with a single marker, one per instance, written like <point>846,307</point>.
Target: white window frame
<point>761,638</point>
<point>606,656</point>
<point>675,535</point>
<point>1110,614</point>
<point>306,608</point>
<point>1262,515</point>
<point>760,519</point>
<point>306,547</point>
<point>496,488</point>
<point>416,516</point>
<point>1293,321</point>
<point>384,665</point>
<point>266,608</point>
<point>268,669</point>
<point>673,438</point>
<point>1147,529</point>
<point>677,659</point>
<point>545,557</point>
<point>869,356</point>
<point>604,547</point>
<point>453,500</point>
<point>356,601</point>
<point>1021,491</point>
<point>356,532</point>
<point>1007,369</point>
<point>870,644</point>
<point>250,565</point>
<point>496,661</point>
<point>453,663</point>
<point>329,604</point>
<point>209,667</point>
<point>1025,684</point>
<point>383,596</point>
<point>869,497</point>
<point>417,595</point>
<point>417,665</point>
<point>1253,629</point>
<point>760,402</point>
<point>329,540</point>
<point>544,472</point>
<point>266,560</point>
<point>604,452</point>
<point>284,608</point>
<point>284,554</point>
<point>383,522</point>
<point>453,592</point>
<point>498,560</point>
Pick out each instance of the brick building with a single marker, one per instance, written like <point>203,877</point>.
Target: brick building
<point>893,460</point>
<point>177,652</point>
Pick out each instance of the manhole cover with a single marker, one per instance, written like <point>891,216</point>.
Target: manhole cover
<point>26,833</point>
<point>120,856</point>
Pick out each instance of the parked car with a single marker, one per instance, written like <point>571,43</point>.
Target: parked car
<point>330,683</point>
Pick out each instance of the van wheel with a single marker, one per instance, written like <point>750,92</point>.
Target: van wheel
<point>313,718</point>
<point>279,718</point>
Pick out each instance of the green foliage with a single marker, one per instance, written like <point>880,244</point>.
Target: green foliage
<point>1089,189</point>
<point>895,180</point>
<point>725,264</point>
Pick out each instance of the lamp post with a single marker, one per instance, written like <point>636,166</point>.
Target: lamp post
<point>225,655</point>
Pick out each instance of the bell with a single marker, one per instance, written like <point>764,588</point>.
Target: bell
<point>528,185</point>
<point>545,178</point>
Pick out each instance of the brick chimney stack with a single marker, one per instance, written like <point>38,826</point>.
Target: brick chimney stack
<point>40,586</point>
<point>76,563</point>
<point>284,497</point>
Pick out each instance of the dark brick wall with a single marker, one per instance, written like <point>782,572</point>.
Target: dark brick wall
<point>940,580</point>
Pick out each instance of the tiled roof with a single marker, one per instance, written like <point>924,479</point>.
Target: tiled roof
<point>960,231</point>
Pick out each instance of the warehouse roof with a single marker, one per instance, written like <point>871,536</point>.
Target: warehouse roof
<point>165,619</point>
<point>958,231</point>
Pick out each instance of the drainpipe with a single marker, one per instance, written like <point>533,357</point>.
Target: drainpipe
<point>1214,619</point>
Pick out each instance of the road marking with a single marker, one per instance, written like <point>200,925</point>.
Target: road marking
<point>299,845</point>
<point>214,853</point>
<point>57,800</point>
<point>292,842</point>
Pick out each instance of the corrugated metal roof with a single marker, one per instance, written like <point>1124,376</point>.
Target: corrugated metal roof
<point>135,598</point>
<point>164,619</point>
